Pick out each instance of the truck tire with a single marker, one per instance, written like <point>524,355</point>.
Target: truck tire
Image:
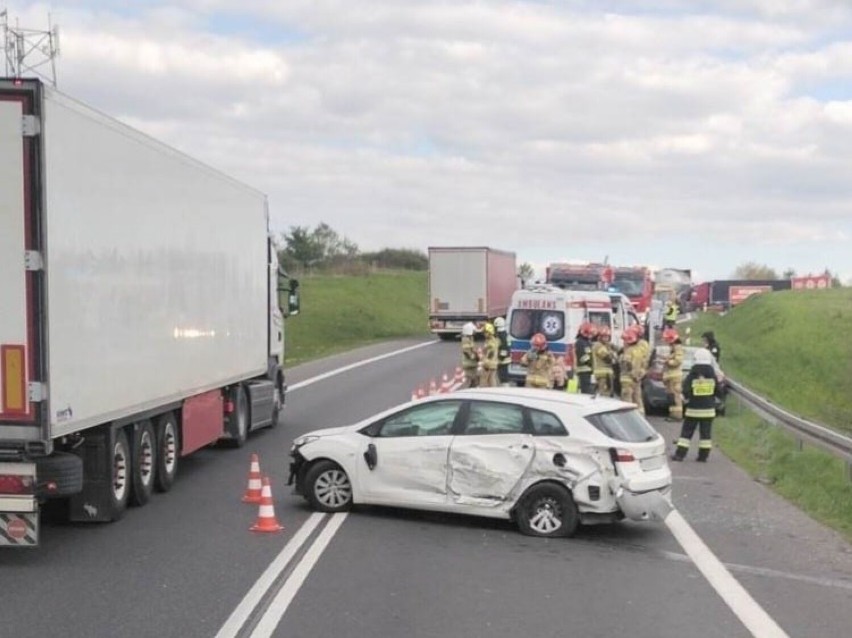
<point>143,463</point>
<point>168,452</point>
<point>277,404</point>
<point>61,469</point>
<point>238,420</point>
<point>119,458</point>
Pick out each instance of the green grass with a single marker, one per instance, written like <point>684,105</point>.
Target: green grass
<point>811,479</point>
<point>793,347</point>
<point>340,312</point>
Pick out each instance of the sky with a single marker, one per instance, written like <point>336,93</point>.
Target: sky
<point>689,134</point>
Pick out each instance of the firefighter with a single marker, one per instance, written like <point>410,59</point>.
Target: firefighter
<point>604,358</point>
<point>671,315</point>
<point>673,373</point>
<point>490,358</point>
<point>583,357</point>
<point>711,344</point>
<point>470,356</point>
<point>504,354</point>
<point>699,392</point>
<point>642,343</point>
<point>632,365</point>
<point>539,363</point>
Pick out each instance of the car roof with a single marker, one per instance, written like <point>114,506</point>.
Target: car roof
<point>543,399</point>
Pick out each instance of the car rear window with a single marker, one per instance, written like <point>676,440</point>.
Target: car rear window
<point>623,425</point>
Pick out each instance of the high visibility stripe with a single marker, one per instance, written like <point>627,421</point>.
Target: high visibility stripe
<point>13,376</point>
<point>699,413</point>
<point>703,387</point>
<point>681,442</point>
<point>705,444</point>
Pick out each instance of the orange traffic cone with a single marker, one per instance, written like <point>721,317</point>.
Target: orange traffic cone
<point>266,521</point>
<point>433,388</point>
<point>415,395</point>
<point>253,491</point>
<point>421,393</point>
<point>446,384</point>
<point>459,378</point>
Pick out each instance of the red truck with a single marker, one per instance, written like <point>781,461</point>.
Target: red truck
<point>637,284</point>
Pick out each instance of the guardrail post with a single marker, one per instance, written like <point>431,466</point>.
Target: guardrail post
<point>800,445</point>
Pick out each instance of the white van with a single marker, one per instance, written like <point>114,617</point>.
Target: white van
<point>557,314</point>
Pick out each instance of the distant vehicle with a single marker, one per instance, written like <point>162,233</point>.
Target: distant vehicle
<point>547,460</point>
<point>654,391</point>
<point>557,314</point>
<point>576,276</point>
<point>638,284</point>
<point>719,293</point>
<point>141,318</point>
<point>468,284</point>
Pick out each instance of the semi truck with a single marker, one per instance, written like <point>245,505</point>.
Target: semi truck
<point>140,311</point>
<point>724,293</point>
<point>468,284</point>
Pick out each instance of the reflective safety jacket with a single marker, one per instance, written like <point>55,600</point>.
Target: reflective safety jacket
<point>470,360</point>
<point>645,348</point>
<point>671,313</point>
<point>490,354</point>
<point>633,363</point>
<point>583,355</point>
<point>673,364</point>
<point>603,358</point>
<point>699,392</point>
<point>539,368</point>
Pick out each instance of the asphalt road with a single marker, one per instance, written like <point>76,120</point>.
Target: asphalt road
<point>182,564</point>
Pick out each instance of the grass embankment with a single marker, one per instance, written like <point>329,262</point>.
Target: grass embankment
<point>791,347</point>
<point>340,312</point>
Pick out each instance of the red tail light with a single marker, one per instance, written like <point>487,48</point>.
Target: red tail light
<point>17,484</point>
<point>229,407</point>
<point>624,456</point>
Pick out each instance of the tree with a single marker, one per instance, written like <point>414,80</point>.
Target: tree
<point>789,273</point>
<point>525,271</point>
<point>301,246</point>
<point>753,270</point>
<point>331,245</point>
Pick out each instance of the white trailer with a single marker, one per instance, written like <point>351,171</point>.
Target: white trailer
<point>468,284</point>
<point>139,314</point>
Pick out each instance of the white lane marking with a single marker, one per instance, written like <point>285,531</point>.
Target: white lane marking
<point>278,607</point>
<point>357,364</point>
<point>752,615</point>
<point>239,616</point>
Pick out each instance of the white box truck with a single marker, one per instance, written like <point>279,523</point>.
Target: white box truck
<point>468,284</point>
<point>139,311</point>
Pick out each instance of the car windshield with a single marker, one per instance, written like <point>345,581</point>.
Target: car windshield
<point>629,286</point>
<point>623,425</point>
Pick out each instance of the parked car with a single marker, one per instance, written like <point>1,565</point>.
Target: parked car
<point>545,459</point>
<point>654,391</point>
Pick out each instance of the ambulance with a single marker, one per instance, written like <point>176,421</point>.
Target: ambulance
<point>557,314</point>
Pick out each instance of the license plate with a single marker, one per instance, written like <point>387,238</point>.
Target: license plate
<point>652,463</point>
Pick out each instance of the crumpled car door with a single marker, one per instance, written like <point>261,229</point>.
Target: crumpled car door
<point>484,470</point>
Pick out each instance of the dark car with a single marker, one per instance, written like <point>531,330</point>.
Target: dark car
<point>654,391</point>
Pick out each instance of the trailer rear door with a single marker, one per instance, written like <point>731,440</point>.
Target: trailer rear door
<point>18,263</point>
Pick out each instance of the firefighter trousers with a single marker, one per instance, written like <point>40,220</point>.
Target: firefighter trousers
<point>705,441</point>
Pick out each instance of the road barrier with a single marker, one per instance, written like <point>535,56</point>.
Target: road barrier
<point>802,430</point>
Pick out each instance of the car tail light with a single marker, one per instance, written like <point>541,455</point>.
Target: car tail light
<point>229,407</point>
<point>624,456</point>
<point>17,484</point>
<point>655,374</point>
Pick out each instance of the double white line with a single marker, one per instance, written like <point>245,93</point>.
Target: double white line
<point>265,604</point>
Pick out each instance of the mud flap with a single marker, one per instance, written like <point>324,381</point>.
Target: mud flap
<point>19,529</point>
<point>645,506</point>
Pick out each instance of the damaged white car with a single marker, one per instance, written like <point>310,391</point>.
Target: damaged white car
<point>547,460</point>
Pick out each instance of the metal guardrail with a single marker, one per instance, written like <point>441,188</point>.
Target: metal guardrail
<point>804,431</point>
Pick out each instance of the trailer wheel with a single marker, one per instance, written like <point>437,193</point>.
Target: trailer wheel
<point>60,474</point>
<point>238,421</point>
<point>121,475</point>
<point>167,452</point>
<point>144,464</point>
<point>277,403</point>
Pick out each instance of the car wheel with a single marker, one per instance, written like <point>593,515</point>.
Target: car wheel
<point>547,510</point>
<point>328,488</point>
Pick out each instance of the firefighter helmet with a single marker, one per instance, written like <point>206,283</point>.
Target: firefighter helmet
<point>670,335</point>
<point>500,324</point>
<point>587,329</point>
<point>630,337</point>
<point>488,330</point>
<point>539,341</point>
<point>703,357</point>
<point>468,329</point>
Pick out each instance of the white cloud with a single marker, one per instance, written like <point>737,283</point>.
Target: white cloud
<point>522,125</point>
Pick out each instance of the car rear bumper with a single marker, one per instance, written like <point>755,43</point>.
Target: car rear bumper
<point>653,505</point>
